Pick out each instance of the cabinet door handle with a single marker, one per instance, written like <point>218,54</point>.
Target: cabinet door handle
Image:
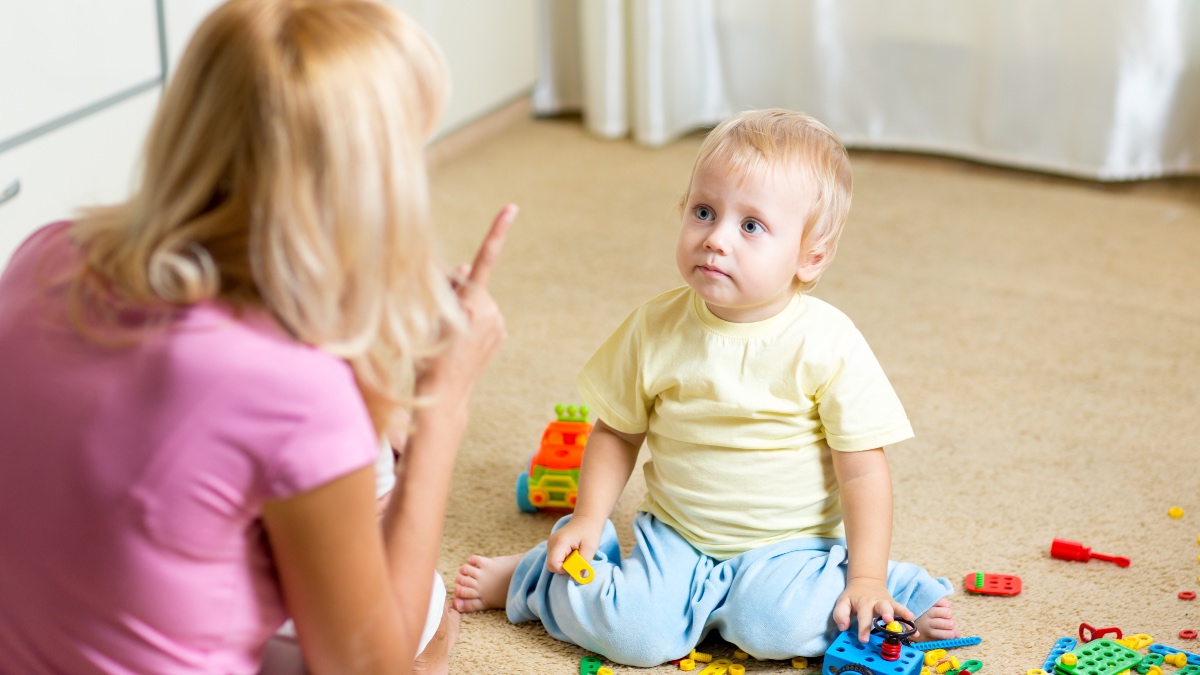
<point>9,191</point>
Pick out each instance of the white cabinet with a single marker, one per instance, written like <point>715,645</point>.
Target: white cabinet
<point>61,57</point>
<point>90,161</point>
<point>80,86</point>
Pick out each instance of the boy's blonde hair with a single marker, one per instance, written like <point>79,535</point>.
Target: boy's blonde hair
<point>752,143</point>
<point>285,171</point>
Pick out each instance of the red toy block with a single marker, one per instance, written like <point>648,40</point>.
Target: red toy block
<point>992,584</point>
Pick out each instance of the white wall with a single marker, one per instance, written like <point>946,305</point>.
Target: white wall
<point>489,47</point>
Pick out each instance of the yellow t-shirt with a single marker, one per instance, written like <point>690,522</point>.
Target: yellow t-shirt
<point>740,417</point>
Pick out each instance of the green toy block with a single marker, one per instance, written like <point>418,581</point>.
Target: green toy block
<point>1149,660</point>
<point>972,665</point>
<point>1099,657</point>
<point>1189,669</point>
<point>588,665</point>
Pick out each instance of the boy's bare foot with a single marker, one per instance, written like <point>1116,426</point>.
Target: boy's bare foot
<point>937,623</point>
<point>482,583</point>
<point>435,658</point>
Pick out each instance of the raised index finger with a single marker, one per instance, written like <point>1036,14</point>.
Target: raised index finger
<point>489,250</point>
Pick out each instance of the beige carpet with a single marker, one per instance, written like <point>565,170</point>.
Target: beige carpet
<point>1044,335</point>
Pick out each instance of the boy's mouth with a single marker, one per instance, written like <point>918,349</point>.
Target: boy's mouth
<point>711,272</point>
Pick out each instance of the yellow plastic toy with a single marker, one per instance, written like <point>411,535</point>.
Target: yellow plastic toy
<point>739,654</point>
<point>687,664</point>
<point>700,656</point>
<point>717,667</point>
<point>737,669</point>
<point>578,568</point>
<point>1069,659</point>
<point>1035,671</point>
<point>604,671</point>
<point>934,655</point>
<point>1177,659</point>
<point>1175,512</point>
<point>799,662</point>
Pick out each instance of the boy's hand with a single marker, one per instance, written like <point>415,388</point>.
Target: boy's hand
<point>579,534</point>
<point>867,598</point>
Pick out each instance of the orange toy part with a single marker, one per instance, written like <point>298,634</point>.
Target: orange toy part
<point>562,446</point>
<point>992,584</point>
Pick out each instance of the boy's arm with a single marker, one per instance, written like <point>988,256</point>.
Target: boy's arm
<point>608,460</point>
<point>866,493</point>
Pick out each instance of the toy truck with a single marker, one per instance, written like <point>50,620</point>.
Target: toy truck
<point>552,480</point>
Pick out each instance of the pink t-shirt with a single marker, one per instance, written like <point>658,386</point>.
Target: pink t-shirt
<point>132,480</point>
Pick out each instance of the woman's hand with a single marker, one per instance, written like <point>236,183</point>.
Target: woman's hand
<point>453,373</point>
<point>579,534</point>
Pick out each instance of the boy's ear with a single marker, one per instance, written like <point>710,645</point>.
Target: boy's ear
<point>811,267</point>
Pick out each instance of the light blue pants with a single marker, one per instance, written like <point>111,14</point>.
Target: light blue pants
<point>773,602</point>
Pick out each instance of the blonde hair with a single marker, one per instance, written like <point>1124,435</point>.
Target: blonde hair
<point>754,142</point>
<point>285,171</point>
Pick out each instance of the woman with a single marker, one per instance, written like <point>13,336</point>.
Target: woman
<point>196,380</point>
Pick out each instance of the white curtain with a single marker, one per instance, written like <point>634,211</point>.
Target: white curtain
<point>1106,89</point>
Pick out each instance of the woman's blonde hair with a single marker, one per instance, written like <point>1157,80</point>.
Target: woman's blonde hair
<point>285,170</point>
<point>752,143</point>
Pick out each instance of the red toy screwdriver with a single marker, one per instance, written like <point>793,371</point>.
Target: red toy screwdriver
<point>1073,550</point>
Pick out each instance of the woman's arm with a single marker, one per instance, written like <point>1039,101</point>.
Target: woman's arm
<point>865,483</point>
<point>360,600</point>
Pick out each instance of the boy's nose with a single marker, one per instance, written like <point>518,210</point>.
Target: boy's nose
<point>716,241</point>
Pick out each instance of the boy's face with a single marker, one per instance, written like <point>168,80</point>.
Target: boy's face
<point>739,245</point>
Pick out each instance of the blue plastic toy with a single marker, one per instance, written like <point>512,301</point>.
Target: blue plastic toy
<point>947,644</point>
<point>847,656</point>
<point>1061,646</point>
<point>1158,648</point>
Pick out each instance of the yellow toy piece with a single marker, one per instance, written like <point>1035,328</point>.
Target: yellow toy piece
<point>1069,659</point>
<point>687,664</point>
<point>894,627</point>
<point>1154,670</point>
<point>1175,512</point>
<point>578,568</point>
<point>737,669</point>
<point>1035,671</point>
<point>739,654</point>
<point>943,667</point>
<point>718,667</point>
<point>604,671</point>
<point>925,670</point>
<point>799,662</point>
<point>954,662</point>
<point>700,656</point>
<point>1137,641</point>
<point>1177,659</point>
<point>934,655</point>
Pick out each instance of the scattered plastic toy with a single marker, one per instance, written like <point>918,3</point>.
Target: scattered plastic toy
<point>1088,633</point>
<point>847,655</point>
<point>737,669</point>
<point>1097,657</point>
<point>717,667</point>
<point>947,644</point>
<point>1187,595</point>
<point>1187,634</point>
<point>1176,659</point>
<point>1073,550</point>
<point>739,654</point>
<point>578,568</point>
<point>700,657</point>
<point>604,671</point>
<point>1150,661</point>
<point>992,584</point>
<point>687,664</point>
<point>1159,648</point>
<point>1137,641</point>
<point>1061,646</point>
<point>971,666</point>
<point>552,481</point>
<point>1175,512</point>
<point>590,665</point>
<point>799,662</point>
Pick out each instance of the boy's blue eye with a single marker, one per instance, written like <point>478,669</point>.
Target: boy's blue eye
<point>752,227</point>
<point>704,213</point>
